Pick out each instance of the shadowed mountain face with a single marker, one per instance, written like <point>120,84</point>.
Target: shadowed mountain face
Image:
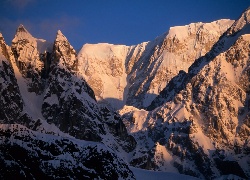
<point>11,104</point>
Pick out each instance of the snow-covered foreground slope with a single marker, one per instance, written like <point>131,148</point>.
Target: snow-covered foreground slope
<point>156,175</point>
<point>135,75</point>
<point>27,154</point>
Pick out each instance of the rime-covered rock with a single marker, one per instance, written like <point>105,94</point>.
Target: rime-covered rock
<point>193,120</point>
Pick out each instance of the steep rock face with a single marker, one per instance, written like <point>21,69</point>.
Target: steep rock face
<point>117,137</point>
<point>69,102</point>
<point>198,125</point>
<point>135,75</point>
<point>26,50</point>
<point>64,53</point>
<point>11,104</point>
<point>103,67</point>
<point>27,154</point>
<point>164,57</point>
<point>16,105</point>
<point>201,117</point>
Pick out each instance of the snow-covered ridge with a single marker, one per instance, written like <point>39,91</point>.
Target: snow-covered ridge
<point>242,21</point>
<point>134,75</point>
<point>214,28</point>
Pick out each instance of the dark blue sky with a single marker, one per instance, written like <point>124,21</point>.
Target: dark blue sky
<point>114,21</point>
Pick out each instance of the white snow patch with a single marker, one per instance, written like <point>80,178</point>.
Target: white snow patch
<point>32,101</point>
<point>164,156</point>
<point>53,99</point>
<point>203,141</point>
<point>157,175</point>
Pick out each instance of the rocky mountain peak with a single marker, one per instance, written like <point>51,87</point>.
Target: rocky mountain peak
<point>27,58</point>
<point>198,122</point>
<point>22,34</point>
<point>242,21</point>
<point>139,73</point>
<point>21,28</point>
<point>64,53</point>
<point>60,36</point>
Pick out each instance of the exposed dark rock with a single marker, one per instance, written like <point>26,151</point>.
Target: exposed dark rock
<point>26,154</point>
<point>11,104</point>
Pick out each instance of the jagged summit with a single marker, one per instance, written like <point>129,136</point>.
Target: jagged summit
<point>22,33</point>
<point>60,36</point>
<point>65,51</point>
<point>140,72</point>
<point>242,21</point>
<point>23,98</point>
<point>59,31</point>
<point>215,27</point>
<point>21,28</point>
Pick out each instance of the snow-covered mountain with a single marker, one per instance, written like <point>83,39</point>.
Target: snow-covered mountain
<point>182,104</point>
<point>48,111</point>
<point>135,75</point>
<point>199,123</point>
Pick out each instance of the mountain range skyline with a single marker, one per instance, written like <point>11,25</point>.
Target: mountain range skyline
<point>115,22</point>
